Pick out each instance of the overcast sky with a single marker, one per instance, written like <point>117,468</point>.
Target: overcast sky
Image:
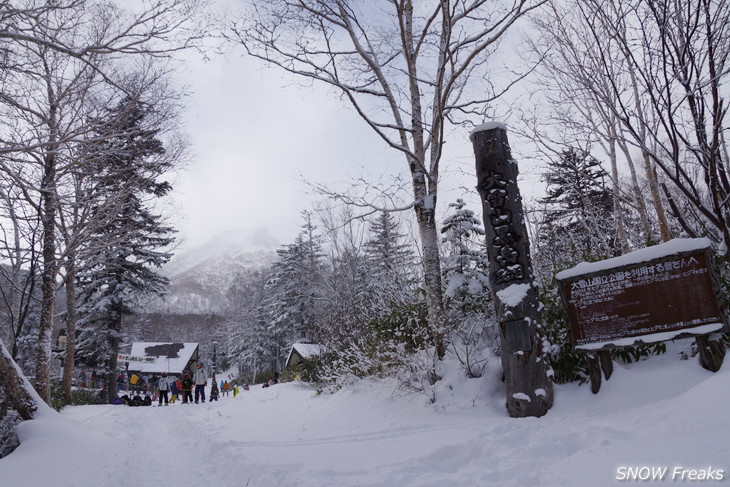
<point>254,132</point>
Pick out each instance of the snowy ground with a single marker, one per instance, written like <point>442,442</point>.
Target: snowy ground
<point>663,413</point>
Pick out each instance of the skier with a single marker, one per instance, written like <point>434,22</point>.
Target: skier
<point>200,382</point>
<point>187,389</point>
<point>163,386</point>
<point>174,390</point>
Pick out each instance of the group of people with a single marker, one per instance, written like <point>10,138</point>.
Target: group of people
<point>186,385</point>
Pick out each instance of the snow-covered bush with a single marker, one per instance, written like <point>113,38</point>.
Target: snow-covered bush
<point>467,298</point>
<point>398,345</point>
<point>474,341</point>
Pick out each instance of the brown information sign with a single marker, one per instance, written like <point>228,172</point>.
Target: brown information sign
<point>650,301</point>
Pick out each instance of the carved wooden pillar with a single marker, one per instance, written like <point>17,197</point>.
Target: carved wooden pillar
<point>513,287</point>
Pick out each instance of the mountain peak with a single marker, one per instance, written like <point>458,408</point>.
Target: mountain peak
<point>200,277</point>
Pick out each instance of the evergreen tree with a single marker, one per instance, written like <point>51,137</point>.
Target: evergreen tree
<point>386,274</point>
<point>294,291</point>
<point>467,298</point>
<point>346,307</point>
<point>465,264</point>
<point>577,219</point>
<point>117,268</point>
<point>576,224</point>
<point>250,342</point>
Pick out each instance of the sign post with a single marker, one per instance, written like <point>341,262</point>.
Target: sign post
<point>513,286</point>
<point>648,296</point>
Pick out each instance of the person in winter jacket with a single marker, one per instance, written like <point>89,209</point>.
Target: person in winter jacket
<point>163,386</point>
<point>187,388</point>
<point>200,382</point>
<point>225,388</point>
<point>214,392</point>
<point>174,390</point>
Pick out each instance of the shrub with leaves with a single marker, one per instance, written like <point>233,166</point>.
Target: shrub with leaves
<point>568,366</point>
<point>79,397</point>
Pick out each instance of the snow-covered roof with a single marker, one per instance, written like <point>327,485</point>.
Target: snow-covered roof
<point>305,350</point>
<point>170,357</point>
<point>647,254</point>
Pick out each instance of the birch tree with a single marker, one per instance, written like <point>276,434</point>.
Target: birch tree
<point>661,70</point>
<point>407,68</point>
<point>48,47</point>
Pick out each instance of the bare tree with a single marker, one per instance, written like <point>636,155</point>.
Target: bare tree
<point>19,275</point>
<point>579,87</point>
<point>52,50</point>
<point>660,68</point>
<point>407,68</point>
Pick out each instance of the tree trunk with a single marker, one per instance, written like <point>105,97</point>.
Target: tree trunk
<point>110,388</point>
<point>617,210</point>
<point>637,194</point>
<point>513,286</point>
<point>68,368</point>
<point>48,279</point>
<point>14,389</point>
<point>425,191</point>
<point>432,277</point>
<point>656,199</point>
<point>16,270</point>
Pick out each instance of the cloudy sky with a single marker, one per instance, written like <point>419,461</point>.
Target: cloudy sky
<point>255,133</point>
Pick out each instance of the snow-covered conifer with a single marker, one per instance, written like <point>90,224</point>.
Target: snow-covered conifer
<point>117,268</point>
<point>464,263</point>
<point>577,217</point>
<point>294,289</point>
<point>469,309</point>
<point>388,272</point>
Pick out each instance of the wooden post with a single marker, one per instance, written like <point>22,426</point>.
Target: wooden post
<point>711,352</point>
<point>513,287</point>
<point>594,372</point>
<point>604,356</point>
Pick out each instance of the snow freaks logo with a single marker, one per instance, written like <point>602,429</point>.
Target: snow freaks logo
<point>655,474</point>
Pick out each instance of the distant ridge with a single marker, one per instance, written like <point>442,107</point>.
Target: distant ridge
<point>200,277</point>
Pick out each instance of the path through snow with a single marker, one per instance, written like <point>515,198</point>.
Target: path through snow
<point>663,412</point>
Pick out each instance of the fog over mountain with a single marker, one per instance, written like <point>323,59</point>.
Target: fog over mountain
<point>200,277</point>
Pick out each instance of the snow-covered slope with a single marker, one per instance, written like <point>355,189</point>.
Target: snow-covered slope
<point>200,277</point>
<point>663,414</point>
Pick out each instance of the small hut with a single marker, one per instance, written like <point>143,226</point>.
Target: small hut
<point>303,352</point>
